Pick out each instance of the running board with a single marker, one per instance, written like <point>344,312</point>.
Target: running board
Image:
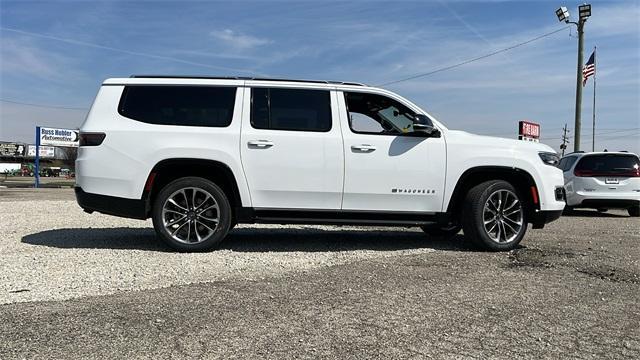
<point>338,217</point>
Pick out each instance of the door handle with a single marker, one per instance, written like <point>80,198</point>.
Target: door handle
<point>260,143</point>
<point>363,148</point>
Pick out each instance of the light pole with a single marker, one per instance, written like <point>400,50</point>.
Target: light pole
<point>584,12</point>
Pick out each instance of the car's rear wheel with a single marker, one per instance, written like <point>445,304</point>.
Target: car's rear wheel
<point>634,211</point>
<point>191,214</point>
<point>494,216</point>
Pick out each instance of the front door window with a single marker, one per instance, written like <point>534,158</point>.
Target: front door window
<point>377,114</point>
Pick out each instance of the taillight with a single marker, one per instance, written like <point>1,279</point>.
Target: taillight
<point>621,173</point>
<point>632,173</point>
<point>583,173</point>
<point>91,139</point>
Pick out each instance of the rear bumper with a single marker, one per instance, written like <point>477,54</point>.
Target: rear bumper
<point>111,205</point>
<point>540,218</point>
<point>599,194</point>
<point>608,203</point>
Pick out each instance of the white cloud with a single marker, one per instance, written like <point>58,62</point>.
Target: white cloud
<point>23,58</point>
<point>238,40</point>
<point>614,20</point>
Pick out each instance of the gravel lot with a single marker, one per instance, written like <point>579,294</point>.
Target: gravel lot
<point>74,285</point>
<point>45,256</point>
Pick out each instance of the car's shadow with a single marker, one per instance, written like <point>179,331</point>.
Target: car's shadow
<point>253,240</point>
<point>592,213</point>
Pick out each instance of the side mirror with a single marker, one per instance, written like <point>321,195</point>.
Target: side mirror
<point>422,125</point>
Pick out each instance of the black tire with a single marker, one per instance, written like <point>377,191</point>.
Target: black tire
<point>473,216</point>
<point>446,232</point>
<point>634,211</point>
<point>215,234</point>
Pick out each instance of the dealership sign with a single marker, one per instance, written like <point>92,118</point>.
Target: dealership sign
<point>59,137</point>
<point>45,151</point>
<point>528,131</point>
<point>11,149</point>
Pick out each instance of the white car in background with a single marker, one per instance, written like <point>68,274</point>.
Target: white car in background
<point>602,180</point>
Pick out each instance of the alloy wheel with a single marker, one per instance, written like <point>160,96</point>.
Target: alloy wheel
<point>190,215</point>
<point>503,216</point>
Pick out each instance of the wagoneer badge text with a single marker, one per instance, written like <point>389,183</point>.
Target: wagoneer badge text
<point>412,191</point>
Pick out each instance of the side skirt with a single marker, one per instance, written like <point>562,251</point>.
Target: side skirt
<point>337,217</point>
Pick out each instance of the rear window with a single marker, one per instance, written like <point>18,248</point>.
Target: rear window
<point>290,109</point>
<point>609,164</point>
<point>566,163</point>
<point>179,105</point>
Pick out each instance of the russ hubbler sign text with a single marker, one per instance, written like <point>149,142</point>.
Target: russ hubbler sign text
<point>59,137</point>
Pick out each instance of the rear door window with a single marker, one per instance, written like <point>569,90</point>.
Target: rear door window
<point>291,109</point>
<point>608,165</point>
<point>179,105</point>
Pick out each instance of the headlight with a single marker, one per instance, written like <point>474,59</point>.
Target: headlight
<point>549,158</point>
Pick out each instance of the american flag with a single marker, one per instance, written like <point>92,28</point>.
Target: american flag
<point>589,68</point>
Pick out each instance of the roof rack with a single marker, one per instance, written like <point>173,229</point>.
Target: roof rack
<point>247,78</point>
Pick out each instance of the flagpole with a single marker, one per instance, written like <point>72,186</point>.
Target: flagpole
<point>593,127</point>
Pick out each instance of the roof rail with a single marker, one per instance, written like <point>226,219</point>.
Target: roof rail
<point>247,78</point>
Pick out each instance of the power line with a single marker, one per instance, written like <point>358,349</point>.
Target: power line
<point>600,132</point>
<point>608,136</point>
<point>42,105</point>
<point>606,132</point>
<point>620,137</point>
<point>474,59</point>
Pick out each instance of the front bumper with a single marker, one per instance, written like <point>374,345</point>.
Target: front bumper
<point>542,217</point>
<point>111,205</point>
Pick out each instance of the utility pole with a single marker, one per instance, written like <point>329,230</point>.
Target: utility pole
<point>565,139</point>
<point>578,120</point>
<point>593,124</point>
<point>584,11</point>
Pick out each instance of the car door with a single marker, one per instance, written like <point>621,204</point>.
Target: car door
<point>291,147</point>
<point>386,168</point>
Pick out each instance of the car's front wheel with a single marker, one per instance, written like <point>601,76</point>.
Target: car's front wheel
<point>494,216</point>
<point>634,211</point>
<point>192,214</point>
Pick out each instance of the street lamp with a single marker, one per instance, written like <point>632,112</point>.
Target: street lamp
<point>584,11</point>
<point>563,14</point>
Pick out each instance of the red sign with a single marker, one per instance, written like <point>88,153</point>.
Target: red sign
<point>529,130</point>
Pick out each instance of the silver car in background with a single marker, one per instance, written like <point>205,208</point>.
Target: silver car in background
<point>602,181</point>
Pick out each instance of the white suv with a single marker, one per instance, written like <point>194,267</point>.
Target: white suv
<point>602,180</point>
<point>199,155</point>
